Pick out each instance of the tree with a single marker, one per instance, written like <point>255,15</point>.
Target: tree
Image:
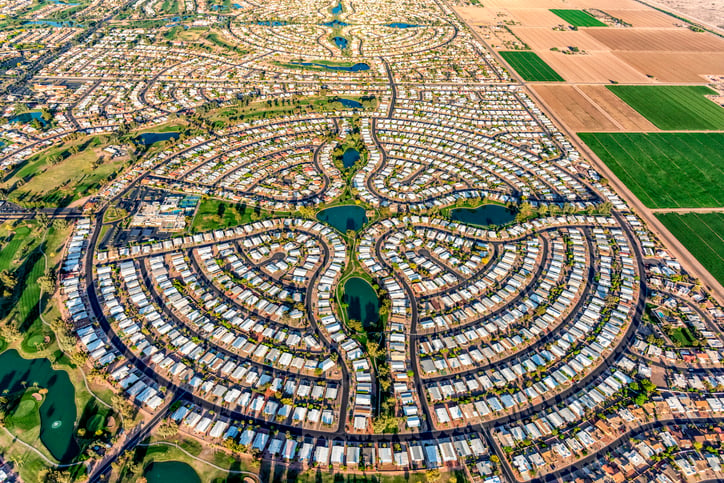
<point>167,429</point>
<point>124,408</point>
<point>7,282</point>
<point>46,284</point>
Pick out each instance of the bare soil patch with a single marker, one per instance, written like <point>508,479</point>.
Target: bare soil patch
<point>573,109</point>
<point>591,108</point>
<point>624,114</point>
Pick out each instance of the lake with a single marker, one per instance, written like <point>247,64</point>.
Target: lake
<point>149,138</point>
<point>484,215</point>
<point>352,68</point>
<point>344,217</point>
<point>57,412</point>
<point>362,302</point>
<point>176,471</point>
<point>350,156</point>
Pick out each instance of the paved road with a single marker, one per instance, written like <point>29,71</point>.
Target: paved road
<point>135,436</point>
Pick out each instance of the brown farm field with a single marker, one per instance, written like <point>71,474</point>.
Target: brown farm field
<point>597,66</point>
<point>543,39</point>
<point>645,18</point>
<point>536,17</point>
<point>675,67</point>
<point>661,40</point>
<point>591,108</point>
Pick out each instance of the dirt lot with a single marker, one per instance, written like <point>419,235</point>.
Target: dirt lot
<point>482,16</point>
<point>707,11</point>
<point>592,67</point>
<point>673,67</point>
<point>672,40</point>
<point>591,108</point>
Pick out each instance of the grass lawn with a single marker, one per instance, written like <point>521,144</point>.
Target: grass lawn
<point>578,18</point>
<point>703,235</point>
<point>66,181</point>
<point>674,107</point>
<point>213,214</point>
<point>530,66</point>
<point>683,337</point>
<point>665,170</point>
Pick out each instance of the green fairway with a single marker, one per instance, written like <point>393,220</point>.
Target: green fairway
<point>530,66</point>
<point>703,235</point>
<point>674,107</point>
<point>665,170</point>
<point>9,251</point>
<point>578,18</point>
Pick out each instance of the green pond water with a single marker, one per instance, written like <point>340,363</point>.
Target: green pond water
<point>57,412</point>
<point>484,215</point>
<point>362,302</point>
<point>343,218</point>
<point>175,471</point>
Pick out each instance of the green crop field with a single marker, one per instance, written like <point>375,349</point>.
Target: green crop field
<point>665,170</point>
<point>703,235</point>
<point>674,107</point>
<point>530,66</point>
<point>578,18</point>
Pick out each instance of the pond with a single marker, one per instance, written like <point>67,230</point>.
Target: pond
<point>340,42</point>
<point>337,9</point>
<point>350,103</point>
<point>27,117</point>
<point>362,302</point>
<point>271,23</point>
<point>52,23</point>
<point>149,138</point>
<point>351,68</point>
<point>335,24</point>
<point>402,25</point>
<point>350,156</point>
<point>57,412</point>
<point>484,215</point>
<point>176,471</point>
<point>343,218</point>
